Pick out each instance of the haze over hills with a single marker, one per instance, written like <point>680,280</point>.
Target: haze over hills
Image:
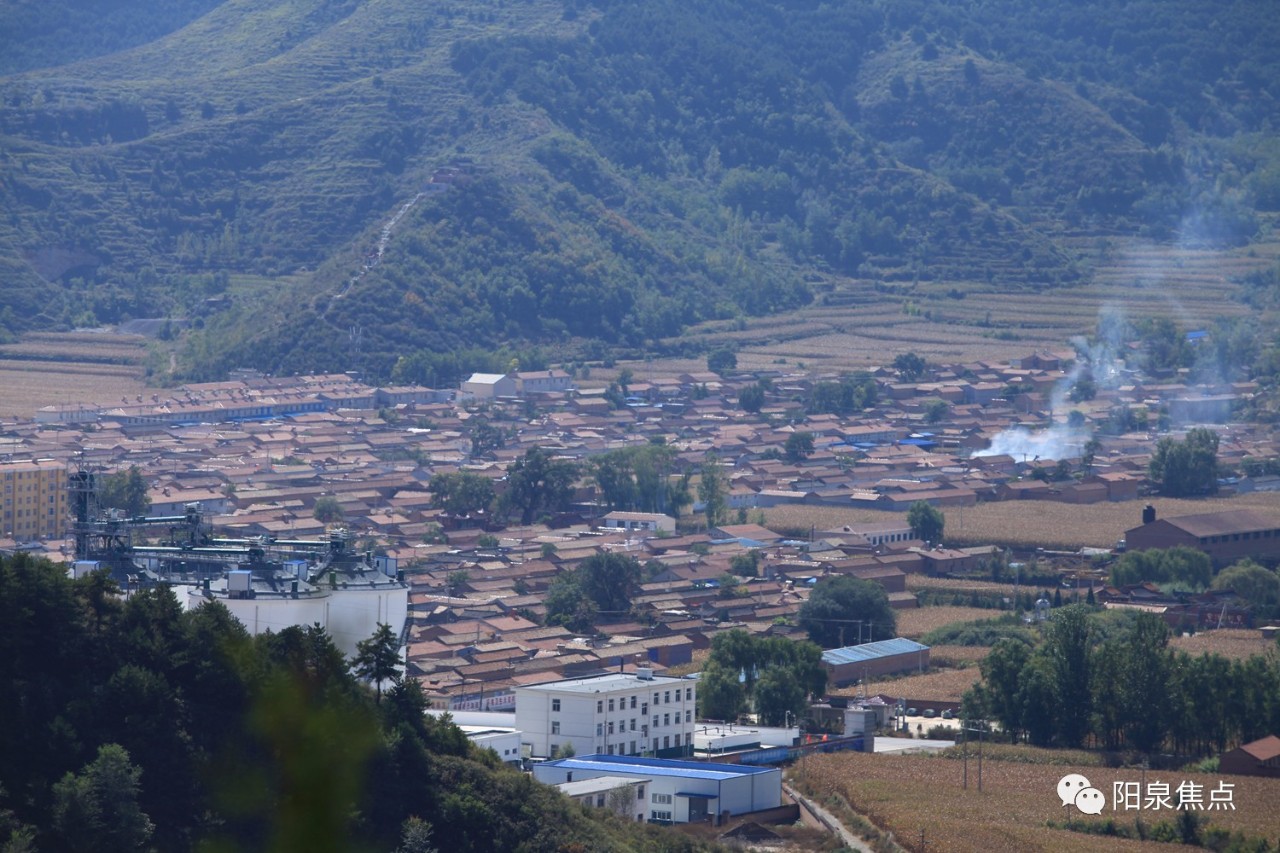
<point>618,170</point>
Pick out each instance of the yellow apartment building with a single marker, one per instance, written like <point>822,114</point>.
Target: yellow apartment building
<point>33,500</point>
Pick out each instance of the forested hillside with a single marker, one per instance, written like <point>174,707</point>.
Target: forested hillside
<point>606,173</point>
<point>133,725</point>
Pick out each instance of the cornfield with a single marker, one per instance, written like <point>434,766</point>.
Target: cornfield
<point>917,796</point>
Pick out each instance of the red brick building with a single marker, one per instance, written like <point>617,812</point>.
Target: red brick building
<point>1259,758</point>
<point>1225,536</point>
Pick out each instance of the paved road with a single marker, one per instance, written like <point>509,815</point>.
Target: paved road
<point>827,819</point>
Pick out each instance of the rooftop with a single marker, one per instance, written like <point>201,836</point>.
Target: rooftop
<point>604,683</point>
<point>872,651</point>
<point>658,767</point>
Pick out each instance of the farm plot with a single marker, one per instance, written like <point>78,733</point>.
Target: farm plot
<point>29,385</point>
<point>1234,643</point>
<point>919,621</point>
<point>939,685</point>
<point>911,795</point>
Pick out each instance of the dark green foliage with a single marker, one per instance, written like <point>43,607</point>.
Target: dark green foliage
<point>137,725</point>
<point>639,479</point>
<point>841,609</point>
<point>1256,584</point>
<point>378,658</point>
<point>927,522</point>
<point>537,483</point>
<point>713,489</point>
<point>624,173</point>
<point>772,675</point>
<point>798,447</point>
<point>910,366</point>
<point>751,398</point>
<point>1188,568</point>
<point>125,491</point>
<point>97,809</point>
<point>853,393</point>
<point>722,361</point>
<point>1188,467</point>
<point>327,510</point>
<point>601,583</point>
<point>461,493</point>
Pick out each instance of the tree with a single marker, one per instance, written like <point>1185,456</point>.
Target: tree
<point>1002,671</point>
<point>1188,467</point>
<point>741,665</point>
<point>840,606</point>
<point>416,837</point>
<point>722,360</point>
<point>97,809</point>
<point>485,437</point>
<point>935,409</point>
<point>1069,651</point>
<point>538,483</point>
<point>125,491</point>
<point>926,521</point>
<point>607,578</point>
<point>910,366</point>
<point>1254,583</point>
<point>568,605</point>
<point>378,658</point>
<point>745,565</point>
<point>713,489</point>
<point>777,694</point>
<point>462,493</point>
<point>799,446</point>
<point>751,398</point>
<point>1181,566</point>
<point>327,510</point>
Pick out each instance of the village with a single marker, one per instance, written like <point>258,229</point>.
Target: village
<point>295,457</point>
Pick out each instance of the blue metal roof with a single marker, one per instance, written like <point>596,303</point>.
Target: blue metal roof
<point>872,651</point>
<point>657,767</point>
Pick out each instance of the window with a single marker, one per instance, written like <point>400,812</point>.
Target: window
<point>610,706</point>
<point>639,790</point>
<point>555,704</point>
<point>611,727</point>
<point>688,716</point>
<point>659,815</point>
<point>599,729</point>
<point>633,703</point>
<point>599,801</point>
<point>655,721</point>
<point>655,744</point>
<point>657,697</point>
<point>599,706</point>
<point>688,693</point>
<point>688,738</point>
<point>611,749</point>
<point>555,727</point>
<point>666,719</point>
<point>666,697</point>
<point>633,724</point>
<point>633,747</point>
<point>644,708</point>
<point>662,799</point>
<point>666,741</point>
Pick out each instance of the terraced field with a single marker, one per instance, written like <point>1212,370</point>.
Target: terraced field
<point>48,368</point>
<point>857,325</point>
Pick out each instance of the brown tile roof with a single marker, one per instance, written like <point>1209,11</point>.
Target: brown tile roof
<point>1218,523</point>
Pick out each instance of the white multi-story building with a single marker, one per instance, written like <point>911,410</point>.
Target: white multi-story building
<point>613,714</point>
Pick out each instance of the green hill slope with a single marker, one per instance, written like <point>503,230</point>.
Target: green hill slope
<point>622,169</point>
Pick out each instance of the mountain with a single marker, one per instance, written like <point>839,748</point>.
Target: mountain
<point>385,184</point>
